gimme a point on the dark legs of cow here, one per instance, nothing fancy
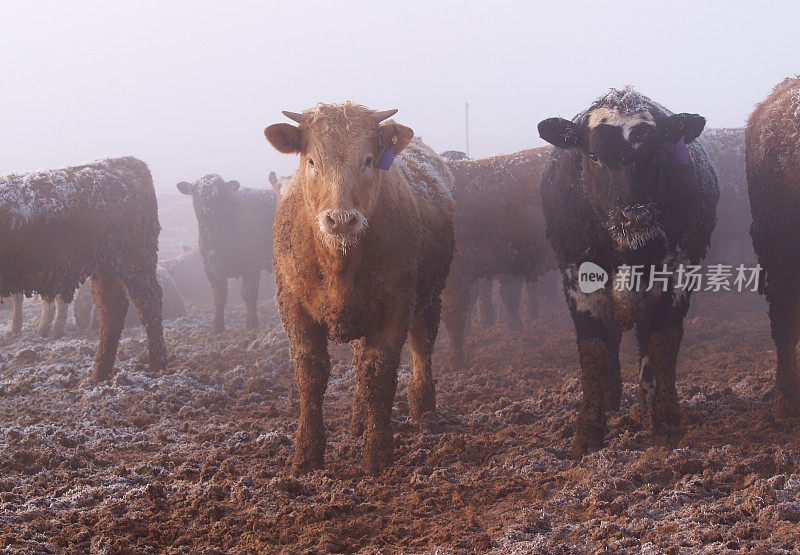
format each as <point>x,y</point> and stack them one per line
<point>421,340</point>
<point>659,344</point>
<point>111,304</point>
<point>511,295</point>
<point>456,304</point>
<point>16,317</point>
<point>250,298</point>
<point>783,296</point>
<point>598,351</point>
<point>146,294</point>
<point>219,291</point>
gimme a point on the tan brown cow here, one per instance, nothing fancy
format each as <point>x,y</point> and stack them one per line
<point>772,137</point>
<point>499,231</point>
<point>361,255</point>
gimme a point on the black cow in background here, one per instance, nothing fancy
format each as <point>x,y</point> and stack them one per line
<point>627,186</point>
<point>235,226</point>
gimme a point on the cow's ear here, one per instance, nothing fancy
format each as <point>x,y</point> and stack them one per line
<point>395,134</point>
<point>559,132</point>
<point>284,137</point>
<point>273,179</point>
<point>233,186</point>
<point>688,126</point>
<point>186,188</point>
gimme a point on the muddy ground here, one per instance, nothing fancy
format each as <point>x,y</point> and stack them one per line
<point>196,460</point>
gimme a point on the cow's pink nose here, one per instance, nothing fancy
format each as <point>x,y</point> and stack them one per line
<point>341,221</point>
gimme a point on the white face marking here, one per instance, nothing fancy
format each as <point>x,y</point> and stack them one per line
<point>624,121</point>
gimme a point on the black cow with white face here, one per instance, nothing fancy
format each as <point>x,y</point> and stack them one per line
<point>235,239</point>
<point>628,185</point>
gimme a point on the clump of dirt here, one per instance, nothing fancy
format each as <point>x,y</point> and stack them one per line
<point>196,459</point>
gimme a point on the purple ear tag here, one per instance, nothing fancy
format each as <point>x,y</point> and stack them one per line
<point>680,153</point>
<point>387,158</point>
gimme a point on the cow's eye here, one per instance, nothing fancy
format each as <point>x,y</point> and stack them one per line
<point>368,162</point>
<point>311,162</point>
<point>595,159</point>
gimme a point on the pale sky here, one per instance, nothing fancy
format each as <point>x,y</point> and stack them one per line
<point>188,86</point>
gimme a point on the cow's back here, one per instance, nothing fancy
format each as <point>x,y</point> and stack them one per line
<point>431,184</point>
<point>60,225</point>
<point>499,220</point>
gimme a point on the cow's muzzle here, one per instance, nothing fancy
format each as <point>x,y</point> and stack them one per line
<point>639,217</point>
<point>343,227</point>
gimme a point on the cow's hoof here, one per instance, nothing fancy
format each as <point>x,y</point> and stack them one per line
<point>667,438</point>
<point>378,451</point>
<point>375,463</point>
<point>303,464</point>
<point>102,374</point>
<point>787,405</point>
<point>583,445</point>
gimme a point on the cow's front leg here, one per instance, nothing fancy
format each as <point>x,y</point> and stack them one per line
<point>312,366</point>
<point>376,372</point>
<point>598,351</point>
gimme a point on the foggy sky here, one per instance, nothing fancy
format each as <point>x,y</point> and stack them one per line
<point>189,86</point>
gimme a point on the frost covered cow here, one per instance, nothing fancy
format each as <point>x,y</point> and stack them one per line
<point>98,220</point>
<point>627,186</point>
<point>500,231</point>
<point>772,137</point>
<point>235,239</point>
<point>363,244</point>
<point>730,243</point>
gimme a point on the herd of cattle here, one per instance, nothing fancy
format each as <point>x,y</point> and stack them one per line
<point>375,238</point>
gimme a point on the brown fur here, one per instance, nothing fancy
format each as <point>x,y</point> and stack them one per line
<point>374,291</point>
<point>99,220</point>
<point>499,230</point>
<point>772,140</point>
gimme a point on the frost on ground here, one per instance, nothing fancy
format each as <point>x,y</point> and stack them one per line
<point>197,458</point>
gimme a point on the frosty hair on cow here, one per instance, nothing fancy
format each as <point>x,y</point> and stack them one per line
<point>634,115</point>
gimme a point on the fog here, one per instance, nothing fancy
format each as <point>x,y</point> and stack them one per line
<point>189,86</point>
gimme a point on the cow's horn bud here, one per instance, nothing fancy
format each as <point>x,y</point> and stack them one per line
<point>294,116</point>
<point>380,116</point>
